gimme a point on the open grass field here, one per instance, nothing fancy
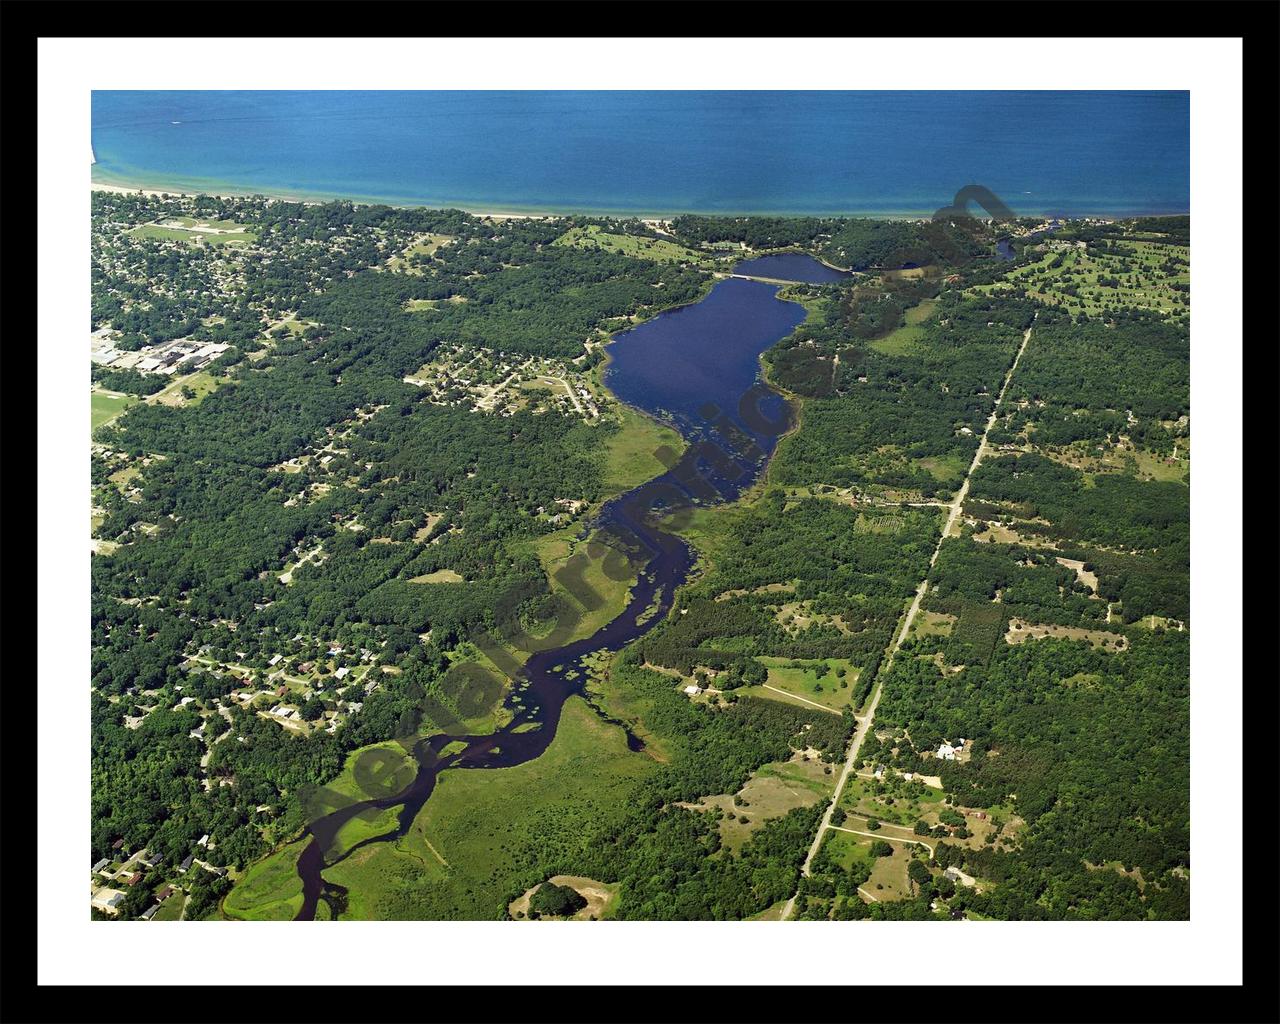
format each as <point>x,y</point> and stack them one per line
<point>269,890</point>
<point>772,791</point>
<point>439,576</point>
<point>902,804</point>
<point>905,339</point>
<point>476,843</point>
<point>629,454</point>
<point>202,383</point>
<point>363,826</point>
<point>209,224</point>
<point>123,477</point>
<point>799,677</point>
<point>425,245</point>
<point>240,236</point>
<point>657,249</point>
<point>561,552</point>
<point>171,909</point>
<point>104,406</point>
<point>396,769</point>
<point>944,467</point>
<point>932,624</point>
<point>901,342</point>
<point>1020,631</point>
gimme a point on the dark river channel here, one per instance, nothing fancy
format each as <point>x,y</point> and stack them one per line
<point>697,368</point>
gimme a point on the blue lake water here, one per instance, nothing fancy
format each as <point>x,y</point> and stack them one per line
<point>675,364</point>
<point>790,266</point>
<point>660,152</point>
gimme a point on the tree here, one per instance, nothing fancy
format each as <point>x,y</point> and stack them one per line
<point>879,848</point>
<point>556,900</point>
<point>873,824</point>
<point>918,872</point>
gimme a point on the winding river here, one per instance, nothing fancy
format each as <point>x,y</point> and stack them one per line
<point>697,368</point>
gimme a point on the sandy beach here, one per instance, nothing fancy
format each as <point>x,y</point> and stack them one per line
<point>100,186</point>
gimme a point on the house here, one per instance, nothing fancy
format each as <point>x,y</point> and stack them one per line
<point>100,865</point>
<point>341,673</point>
<point>107,900</point>
<point>186,864</point>
<point>164,893</point>
<point>134,878</point>
<point>203,840</point>
<point>879,772</point>
<point>149,859</point>
<point>150,912</point>
<point>981,815</point>
<point>908,776</point>
<point>954,874</point>
<point>692,690</point>
<point>118,844</point>
<point>306,666</point>
<point>946,752</point>
<point>275,660</point>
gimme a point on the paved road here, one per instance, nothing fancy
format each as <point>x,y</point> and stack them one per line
<point>864,723</point>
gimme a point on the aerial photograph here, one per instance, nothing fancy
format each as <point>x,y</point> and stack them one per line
<point>639,506</point>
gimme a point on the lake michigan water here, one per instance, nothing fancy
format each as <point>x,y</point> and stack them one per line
<point>1067,153</point>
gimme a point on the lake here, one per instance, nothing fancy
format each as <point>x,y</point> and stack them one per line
<point>1076,152</point>
<point>791,266</point>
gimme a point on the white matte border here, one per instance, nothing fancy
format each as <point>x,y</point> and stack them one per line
<point>73,950</point>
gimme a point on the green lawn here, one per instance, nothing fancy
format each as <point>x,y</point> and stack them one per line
<point>107,405</point>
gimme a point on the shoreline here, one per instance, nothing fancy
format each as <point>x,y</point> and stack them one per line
<point>516,212</point>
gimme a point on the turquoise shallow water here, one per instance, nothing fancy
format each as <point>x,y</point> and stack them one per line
<point>1069,153</point>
